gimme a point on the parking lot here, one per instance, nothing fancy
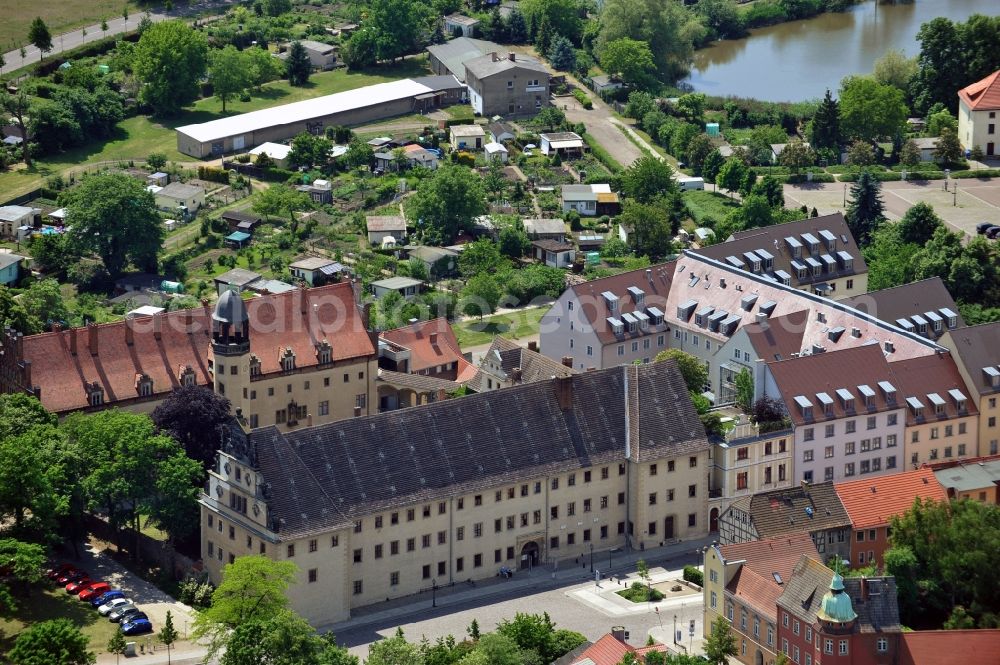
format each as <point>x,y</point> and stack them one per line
<point>975,200</point>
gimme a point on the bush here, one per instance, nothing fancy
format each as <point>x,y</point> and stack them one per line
<point>213,174</point>
<point>797,178</point>
<point>464,158</point>
<point>584,100</point>
<point>693,575</point>
<point>640,593</point>
<point>980,173</point>
<point>195,593</point>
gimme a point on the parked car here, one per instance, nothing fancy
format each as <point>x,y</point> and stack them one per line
<point>132,615</point>
<point>115,615</point>
<point>106,597</point>
<point>981,227</point>
<point>94,590</point>
<point>60,570</point>
<point>993,232</point>
<point>79,585</point>
<point>138,627</point>
<point>112,605</point>
<point>70,576</point>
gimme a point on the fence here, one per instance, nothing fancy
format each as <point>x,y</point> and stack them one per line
<point>150,549</point>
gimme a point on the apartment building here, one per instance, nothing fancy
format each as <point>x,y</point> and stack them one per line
<point>743,583</point>
<point>396,503</point>
<point>290,359</point>
<point>847,416</point>
<point>977,352</point>
<point>745,461</point>
<point>506,84</point>
<point>817,255</point>
<point>924,307</point>
<point>941,421</point>
<point>702,307</point>
<point>813,509</point>
<point>871,503</point>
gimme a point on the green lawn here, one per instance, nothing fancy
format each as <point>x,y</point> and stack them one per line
<point>139,136</point>
<point>515,325</point>
<point>703,203</point>
<point>55,603</point>
<point>640,592</point>
<point>61,17</point>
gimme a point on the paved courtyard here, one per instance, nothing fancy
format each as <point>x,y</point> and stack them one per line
<point>975,200</point>
<point>569,596</point>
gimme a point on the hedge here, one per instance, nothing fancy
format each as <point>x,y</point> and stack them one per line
<point>978,173</point>
<point>892,176</point>
<point>693,575</point>
<point>584,100</point>
<point>798,178</point>
<point>601,154</point>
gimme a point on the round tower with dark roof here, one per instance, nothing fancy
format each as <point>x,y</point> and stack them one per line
<point>231,348</point>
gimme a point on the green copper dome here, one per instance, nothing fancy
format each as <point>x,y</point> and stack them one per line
<point>836,605</point>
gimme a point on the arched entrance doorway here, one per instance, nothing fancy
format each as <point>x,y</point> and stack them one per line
<point>529,555</point>
<point>713,520</point>
<point>759,660</point>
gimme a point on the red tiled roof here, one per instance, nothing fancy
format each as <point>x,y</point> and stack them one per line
<point>423,353</point>
<point>606,651</point>
<point>776,555</point>
<point>872,501</point>
<point>983,95</point>
<point>950,647</point>
<point>163,345</point>
<point>756,591</point>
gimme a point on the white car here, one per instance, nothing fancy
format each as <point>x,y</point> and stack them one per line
<point>116,614</point>
<point>108,607</point>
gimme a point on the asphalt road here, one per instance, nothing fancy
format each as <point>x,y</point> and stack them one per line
<point>118,25</point>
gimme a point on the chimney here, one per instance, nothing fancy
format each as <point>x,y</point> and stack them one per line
<point>434,339</point>
<point>533,346</point>
<point>722,283</point>
<point>619,633</point>
<point>564,391</point>
<point>568,361</point>
<point>129,333</point>
<point>57,327</point>
<point>511,56</point>
<point>515,375</point>
<point>157,324</point>
<point>92,338</point>
<point>357,411</point>
<point>72,341</point>
<point>303,302</point>
<point>442,394</point>
<point>309,419</point>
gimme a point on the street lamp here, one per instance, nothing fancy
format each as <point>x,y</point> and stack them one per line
<point>675,629</point>
<point>592,557</point>
<point>434,588</point>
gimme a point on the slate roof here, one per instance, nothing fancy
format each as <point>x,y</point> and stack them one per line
<point>492,64</point>
<point>781,512</point>
<point>949,647</point>
<point>772,239</point>
<point>416,381</point>
<point>823,374</point>
<point>983,95</point>
<point>508,355</point>
<point>877,612</point>
<point>454,53</point>
<point>870,502</point>
<point>902,302</point>
<point>326,476</point>
<point>424,353</point>
<point>803,594</point>
<point>977,348</point>
<point>287,320</point>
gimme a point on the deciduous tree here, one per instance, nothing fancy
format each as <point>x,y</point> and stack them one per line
<point>631,60</point>
<point>949,149</point>
<point>691,368</point>
<point>114,216</point>
<point>731,175</point>
<point>168,634</point>
<point>647,180</point>
<point>229,73</point>
<point>18,108</point>
<point>54,642</point>
<point>919,224</point>
<point>870,111</point>
<point>481,295</point>
<point>170,59</point>
<point>447,202</point>
<point>650,232</point>
<point>895,69</point>
<point>39,35</point>
<point>721,643</point>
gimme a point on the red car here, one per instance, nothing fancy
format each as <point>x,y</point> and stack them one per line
<point>79,585</point>
<point>61,570</point>
<point>71,576</point>
<point>94,590</point>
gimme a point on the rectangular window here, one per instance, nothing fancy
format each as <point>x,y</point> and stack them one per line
<point>358,587</point>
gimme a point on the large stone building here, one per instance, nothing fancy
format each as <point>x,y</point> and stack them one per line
<point>393,504</point>
<point>288,360</point>
<point>978,105</point>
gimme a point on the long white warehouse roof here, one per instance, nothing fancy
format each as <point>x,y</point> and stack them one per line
<point>372,95</point>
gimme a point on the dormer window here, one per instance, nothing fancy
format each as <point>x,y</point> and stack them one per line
<point>254,365</point>
<point>95,394</point>
<point>611,300</point>
<point>287,359</point>
<point>916,407</point>
<point>324,352</point>
<point>143,385</point>
<point>938,403</point>
<point>186,376</point>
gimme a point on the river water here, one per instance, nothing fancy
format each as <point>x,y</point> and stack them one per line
<point>799,60</point>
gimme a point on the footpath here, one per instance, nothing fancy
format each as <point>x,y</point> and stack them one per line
<point>523,582</point>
